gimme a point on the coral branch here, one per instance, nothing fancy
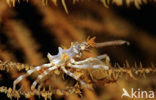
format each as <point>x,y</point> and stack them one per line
<point>8,66</point>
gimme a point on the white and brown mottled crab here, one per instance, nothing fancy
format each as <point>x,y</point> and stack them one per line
<point>66,58</point>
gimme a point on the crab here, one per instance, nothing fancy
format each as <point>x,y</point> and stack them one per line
<point>66,58</point>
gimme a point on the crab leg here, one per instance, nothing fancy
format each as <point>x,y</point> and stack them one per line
<point>87,60</point>
<point>29,72</point>
<point>104,56</point>
<point>89,66</point>
<point>91,59</point>
<point>72,75</point>
<point>46,72</point>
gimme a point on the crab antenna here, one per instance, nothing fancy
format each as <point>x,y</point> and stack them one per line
<point>111,43</point>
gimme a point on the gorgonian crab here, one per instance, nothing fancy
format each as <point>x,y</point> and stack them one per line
<point>68,58</point>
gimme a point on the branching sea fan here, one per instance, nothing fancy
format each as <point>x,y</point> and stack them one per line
<point>45,52</point>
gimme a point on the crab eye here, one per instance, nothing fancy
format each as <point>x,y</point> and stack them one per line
<point>83,47</point>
